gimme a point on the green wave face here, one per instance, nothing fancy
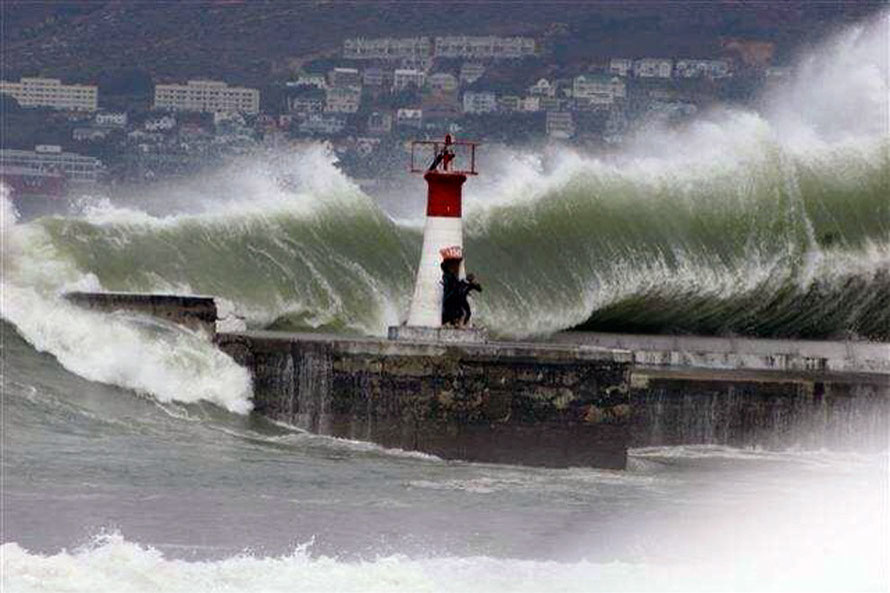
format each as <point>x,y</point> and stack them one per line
<point>777,245</point>
<point>774,245</point>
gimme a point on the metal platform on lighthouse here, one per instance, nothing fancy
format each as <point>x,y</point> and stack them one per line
<point>445,166</point>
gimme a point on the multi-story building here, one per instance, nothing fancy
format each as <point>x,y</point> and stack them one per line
<point>480,102</point>
<point>484,47</point>
<point>653,68</point>
<point>621,66</point>
<point>76,168</point>
<point>111,119</point>
<point>560,124</point>
<point>591,90</point>
<point>405,77</point>
<point>207,96</point>
<point>50,92</point>
<point>343,77</point>
<point>412,118</point>
<point>702,68</point>
<point>343,99</point>
<point>388,48</point>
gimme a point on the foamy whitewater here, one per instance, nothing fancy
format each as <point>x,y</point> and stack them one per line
<point>130,463</point>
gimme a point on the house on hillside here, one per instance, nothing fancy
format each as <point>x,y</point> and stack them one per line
<point>597,90</point>
<point>560,124</point>
<point>442,82</point>
<point>621,66</point>
<point>479,102</point>
<point>412,118</point>
<point>653,68</point>
<point>542,88</point>
<point>470,72</point>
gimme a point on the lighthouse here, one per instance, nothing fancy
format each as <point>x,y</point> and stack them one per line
<point>445,166</point>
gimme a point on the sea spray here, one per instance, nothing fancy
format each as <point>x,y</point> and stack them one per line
<point>167,362</point>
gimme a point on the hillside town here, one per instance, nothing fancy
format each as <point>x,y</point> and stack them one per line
<point>377,94</point>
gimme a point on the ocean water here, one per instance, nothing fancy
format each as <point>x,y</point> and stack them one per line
<point>130,461</point>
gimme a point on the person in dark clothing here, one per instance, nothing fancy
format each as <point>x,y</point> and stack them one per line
<point>466,287</point>
<point>452,311</point>
<point>455,306</point>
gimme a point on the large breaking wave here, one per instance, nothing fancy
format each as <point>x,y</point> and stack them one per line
<point>774,222</point>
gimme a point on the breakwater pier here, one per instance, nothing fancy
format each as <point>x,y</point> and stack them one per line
<point>574,399</point>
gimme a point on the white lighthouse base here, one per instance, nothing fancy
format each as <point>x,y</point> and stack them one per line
<point>448,335</point>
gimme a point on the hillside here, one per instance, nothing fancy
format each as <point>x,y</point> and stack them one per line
<point>255,42</point>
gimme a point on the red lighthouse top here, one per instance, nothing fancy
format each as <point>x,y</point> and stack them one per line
<point>445,166</point>
<point>456,157</point>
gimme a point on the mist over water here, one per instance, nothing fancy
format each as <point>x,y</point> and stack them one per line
<point>766,222</point>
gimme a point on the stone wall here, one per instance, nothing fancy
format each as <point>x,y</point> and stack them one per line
<point>769,412</point>
<point>503,403</point>
<point>194,312</point>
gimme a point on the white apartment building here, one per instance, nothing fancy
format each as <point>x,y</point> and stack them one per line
<point>653,68</point>
<point>111,119</point>
<point>409,117</point>
<point>206,95</point>
<point>387,48</point>
<point>50,92</point>
<point>489,46</point>
<point>51,159</point>
<point>345,77</point>
<point>700,68</point>
<point>597,90</point>
<point>480,102</point>
<point>404,77</point>
<point>316,80</point>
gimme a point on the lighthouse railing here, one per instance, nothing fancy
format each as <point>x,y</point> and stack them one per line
<point>424,151</point>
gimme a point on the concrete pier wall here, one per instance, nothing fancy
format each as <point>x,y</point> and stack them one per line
<point>754,392</point>
<point>764,413</point>
<point>577,399</point>
<point>197,313</point>
<point>508,403</point>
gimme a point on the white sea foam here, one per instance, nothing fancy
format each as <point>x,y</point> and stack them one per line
<point>171,364</point>
<point>112,563</point>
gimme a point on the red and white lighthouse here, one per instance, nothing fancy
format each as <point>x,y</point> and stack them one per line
<point>449,167</point>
